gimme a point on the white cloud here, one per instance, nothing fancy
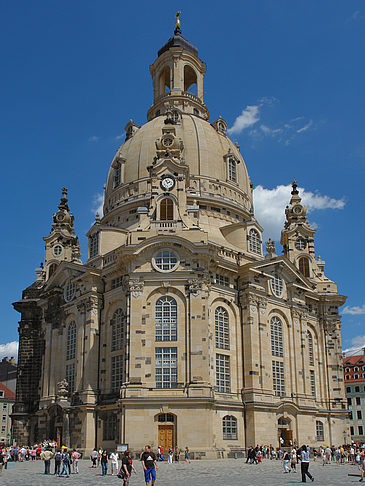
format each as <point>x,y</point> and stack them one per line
<point>270,206</point>
<point>97,204</point>
<point>248,117</point>
<point>358,342</point>
<point>94,138</point>
<point>355,310</point>
<point>9,350</point>
<point>119,137</point>
<point>306,126</point>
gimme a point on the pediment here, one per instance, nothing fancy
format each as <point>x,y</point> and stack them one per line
<point>65,271</point>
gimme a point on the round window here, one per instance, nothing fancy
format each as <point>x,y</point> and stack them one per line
<point>300,244</point>
<point>277,286</point>
<point>297,209</point>
<point>57,250</point>
<point>167,141</point>
<point>165,261</point>
<point>70,291</point>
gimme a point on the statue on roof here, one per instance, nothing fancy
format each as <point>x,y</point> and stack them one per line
<point>177,23</point>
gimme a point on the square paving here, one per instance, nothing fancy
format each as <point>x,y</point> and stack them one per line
<point>229,472</point>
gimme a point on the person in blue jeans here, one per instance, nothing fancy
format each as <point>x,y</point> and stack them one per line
<point>149,464</point>
<point>104,462</point>
<point>65,463</point>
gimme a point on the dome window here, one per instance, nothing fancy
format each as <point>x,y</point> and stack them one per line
<point>304,266</point>
<point>254,241</point>
<point>232,170</point>
<point>166,209</point>
<point>116,175</point>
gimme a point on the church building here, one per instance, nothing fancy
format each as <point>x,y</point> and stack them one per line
<point>178,330</point>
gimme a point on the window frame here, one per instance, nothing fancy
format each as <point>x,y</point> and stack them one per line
<point>254,241</point>
<point>221,328</point>
<point>229,427</point>
<point>166,367</point>
<point>71,344</point>
<point>166,320</point>
<point>223,373</point>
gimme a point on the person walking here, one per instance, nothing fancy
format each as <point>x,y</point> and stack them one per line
<point>304,464</point>
<point>362,469</point>
<point>127,467</point>
<point>46,456</point>
<point>114,462</point>
<point>104,462</point>
<point>94,457</point>
<point>286,460</point>
<point>65,463</point>
<point>149,464</point>
<point>177,454</point>
<point>293,460</point>
<point>187,458</point>
<point>75,461</point>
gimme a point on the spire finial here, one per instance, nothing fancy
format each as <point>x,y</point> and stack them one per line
<point>177,23</point>
<point>64,200</point>
<point>294,185</point>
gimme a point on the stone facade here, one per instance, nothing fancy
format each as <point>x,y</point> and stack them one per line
<point>177,330</point>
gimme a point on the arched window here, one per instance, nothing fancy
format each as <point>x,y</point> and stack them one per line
<point>255,242</point>
<point>164,80</point>
<point>166,319</point>
<point>221,328</point>
<point>52,269</point>
<point>190,78</point>
<point>71,340</point>
<point>276,337</point>
<point>232,170</point>
<point>310,349</point>
<point>117,323</point>
<point>304,266</point>
<point>229,427</point>
<point>319,430</point>
<point>166,209</point>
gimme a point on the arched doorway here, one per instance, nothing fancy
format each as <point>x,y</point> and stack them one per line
<point>285,433</point>
<point>166,431</point>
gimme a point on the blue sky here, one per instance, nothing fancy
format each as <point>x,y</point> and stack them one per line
<point>288,77</point>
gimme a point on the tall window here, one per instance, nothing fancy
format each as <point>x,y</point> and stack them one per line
<point>223,372</point>
<point>319,430</point>
<point>254,241</point>
<point>232,170</point>
<point>313,382</point>
<point>117,323</point>
<point>166,209</point>
<point>70,377</point>
<point>278,378</point>
<point>276,337</point>
<point>221,328</point>
<point>166,319</point>
<point>229,427</point>
<point>304,266</point>
<point>166,367</point>
<point>93,245</point>
<point>110,427</point>
<point>310,349</point>
<point>71,340</point>
<point>117,372</point>
<point>116,175</point>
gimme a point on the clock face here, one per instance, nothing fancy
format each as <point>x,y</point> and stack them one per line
<point>167,183</point>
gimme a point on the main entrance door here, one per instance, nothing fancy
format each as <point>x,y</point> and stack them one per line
<point>166,437</point>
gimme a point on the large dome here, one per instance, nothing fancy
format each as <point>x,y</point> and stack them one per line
<point>205,151</point>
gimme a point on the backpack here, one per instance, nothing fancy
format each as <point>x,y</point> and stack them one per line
<point>58,457</point>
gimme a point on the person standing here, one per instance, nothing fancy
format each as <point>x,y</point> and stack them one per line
<point>293,460</point>
<point>149,464</point>
<point>104,462</point>
<point>114,462</point>
<point>304,464</point>
<point>94,457</point>
<point>177,454</point>
<point>171,453</point>
<point>46,456</point>
<point>57,462</point>
<point>75,461</point>
<point>127,466</point>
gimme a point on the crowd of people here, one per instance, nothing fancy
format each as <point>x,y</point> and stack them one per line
<point>66,461</point>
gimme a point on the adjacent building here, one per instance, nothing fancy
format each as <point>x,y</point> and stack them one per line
<point>178,330</point>
<point>8,372</point>
<point>354,372</point>
<point>7,399</point>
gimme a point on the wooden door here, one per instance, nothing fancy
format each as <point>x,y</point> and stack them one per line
<point>288,438</point>
<point>166,437</point>
<point>59,436</point>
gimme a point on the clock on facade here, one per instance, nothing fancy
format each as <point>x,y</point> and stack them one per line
<point>167,183</point>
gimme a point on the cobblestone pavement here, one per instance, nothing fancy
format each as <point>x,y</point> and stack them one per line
<point>228,472</point>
